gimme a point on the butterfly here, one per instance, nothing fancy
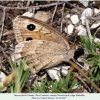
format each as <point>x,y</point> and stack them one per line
<point>45,48</point>
<point>41,44</point>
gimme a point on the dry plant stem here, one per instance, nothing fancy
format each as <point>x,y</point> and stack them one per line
<point>8,33</point>
<point>3,19</point>
<point>33,11</point>
<point>79,69</point>
<point>28,3</point>
<point>54,12</point>
<point>62,17</point>
<point>2,68</point>
<point>5,55</point>
<point>80,65</point>
<point>88,30</point>
<point>74,6</point>
<point>79,78</point>
<point>39,6</point>
<point>93,18</point>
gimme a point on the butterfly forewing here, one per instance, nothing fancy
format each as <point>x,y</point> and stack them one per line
<point>26,28</point>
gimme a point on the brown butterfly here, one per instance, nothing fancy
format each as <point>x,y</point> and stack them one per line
<point>46,48</point>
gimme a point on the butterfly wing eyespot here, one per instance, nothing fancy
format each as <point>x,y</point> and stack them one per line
<point>28,39</point>
<point>31,27</point>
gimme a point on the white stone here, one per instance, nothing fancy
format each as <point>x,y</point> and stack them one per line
<point>83,20</point>
<point>74,19</point>
<point>95,25</point>
<point>65,67</point>
<point>70,29</point>
<point>86,66</point>
<point>28,14</point>
<point>86,12</point>
<point>2,77</point>
<point>75,86</point>
<point>68,16</point>
<point>79,27</point>
<point>97,40</point>
<point>84,2</point>
<point>54,74</point>
<point>82,32</point>
<point>57,68</point>
<point>43,16</point>
<point>64,70</point>
<point>85,91</point>
<point>96,11</point>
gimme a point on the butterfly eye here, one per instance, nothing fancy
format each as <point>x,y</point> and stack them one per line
<point>31,27</point>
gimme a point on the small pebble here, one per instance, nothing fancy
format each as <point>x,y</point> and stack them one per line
<point>68,16</point>
<point>75,86</point>
<point>70,29</point>
<point>84,2</point>
<point>82,32</point>
<point>74,19</point>
<point>83,20</point>
<point>64,70</point>
<point>96,11</point>
<point>79,27</point>
<point>86,12</point>
<point>85,91</point>
<point>53,74</point>
<point>43,16</point>
<point>95,25</point>
<point>28,14</point>
<point>97,40</point>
